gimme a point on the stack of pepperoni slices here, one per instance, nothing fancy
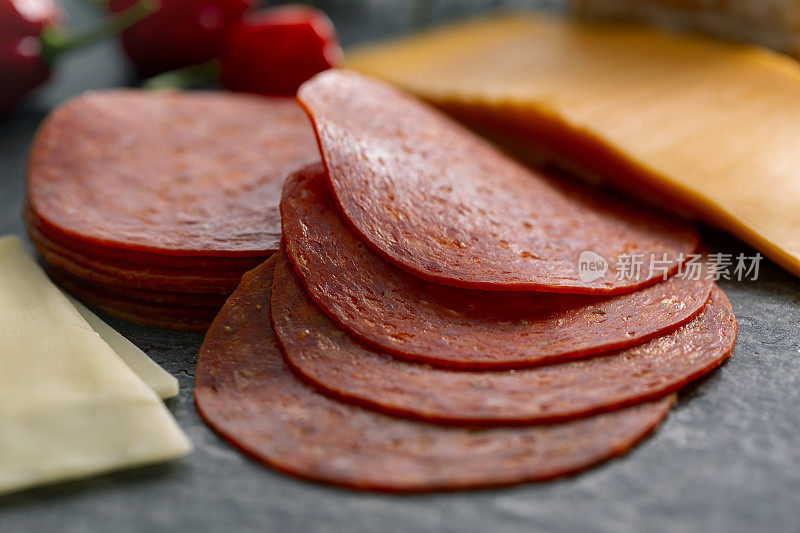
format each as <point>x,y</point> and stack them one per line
<point>151,205</point>
<point>425,325</point>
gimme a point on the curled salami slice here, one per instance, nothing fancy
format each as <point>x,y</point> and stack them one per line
<point>323,354</point>
<point>245,391</point>
<point>446,206</point>
<point>422,321</point>
<point>186,173</point>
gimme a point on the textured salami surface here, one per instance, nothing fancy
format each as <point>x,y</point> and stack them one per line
<point>447,206</point>
<point>134,276</point>
<point>167,315</point>
<point>316,348</point>
<point>245,391</point>
<point>176,300</point>
<point>168,172</point>
<point>119,256</point>
<point>414,319</point>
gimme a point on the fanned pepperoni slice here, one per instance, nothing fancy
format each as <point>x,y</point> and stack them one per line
<point>445,205</point>
<point>143,175</point>
<point>323,354</point>
<point>417,320</point>
<point>245,391</point>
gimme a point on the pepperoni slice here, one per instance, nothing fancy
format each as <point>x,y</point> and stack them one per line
<point>111,256</point>
<point>421,321</point>
<point>445,205</point>
<point>134,276</point>
<point>245,391</point>
<point>175,300</point>
<point>317,349</point>
<point>167,173</point>
<point>168,315</point>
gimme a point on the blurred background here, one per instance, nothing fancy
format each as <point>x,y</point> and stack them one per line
<point>104,64</point>
<point>356,21</point>
<point>364,20</point>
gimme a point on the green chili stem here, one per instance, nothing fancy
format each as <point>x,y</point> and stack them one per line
<point>56,41</point>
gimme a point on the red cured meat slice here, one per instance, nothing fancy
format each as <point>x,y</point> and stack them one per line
<point>133,276</point>
<point>245,391</point>
<point>323,354</point>
<point>175,300</point>
<point>168,316</point>
<point>156,320</point>
<point>446,206</point>
<point>414,319</point>
<point>168,173</point>
<point>112,256</point>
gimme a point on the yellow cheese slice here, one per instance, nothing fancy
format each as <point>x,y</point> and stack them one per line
<point>162,382</point>
<point>710,127</point>
<point>69,407</point>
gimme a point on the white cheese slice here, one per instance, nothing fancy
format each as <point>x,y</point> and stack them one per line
<point>158,379</point>
<point>69,406</point>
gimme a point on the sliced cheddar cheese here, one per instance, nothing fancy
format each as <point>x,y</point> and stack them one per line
<point>162,382</point>
<point>69,407</point>
<point>709,127</point>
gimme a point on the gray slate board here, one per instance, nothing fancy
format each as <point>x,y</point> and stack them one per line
<point>727,459</point>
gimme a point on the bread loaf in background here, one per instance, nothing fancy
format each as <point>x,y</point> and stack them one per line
<point>771,23</point>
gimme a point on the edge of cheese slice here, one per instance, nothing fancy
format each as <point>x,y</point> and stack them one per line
<point>158,379</point>
<point>69,406</point>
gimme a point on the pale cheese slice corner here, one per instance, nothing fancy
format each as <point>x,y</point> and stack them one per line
<point>158,379</point>
<point>69,406</point>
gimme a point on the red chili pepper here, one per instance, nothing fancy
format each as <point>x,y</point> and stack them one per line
<point>21,62</point>
<point>181,33</point>
<point>274,51</point>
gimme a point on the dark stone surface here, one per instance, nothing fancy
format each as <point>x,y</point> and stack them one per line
<point>727,459</point>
